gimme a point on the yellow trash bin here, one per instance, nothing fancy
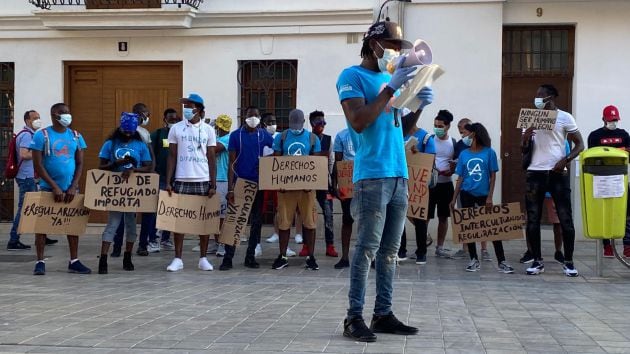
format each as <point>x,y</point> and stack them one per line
<point>604,192</point>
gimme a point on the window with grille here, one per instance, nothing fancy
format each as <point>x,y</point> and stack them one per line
<point>529,51</point>
<point>6,131</point>
<point>270,85</point>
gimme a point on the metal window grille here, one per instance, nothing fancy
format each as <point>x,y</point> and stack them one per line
<point>538,51</point>
<point>270,85</point>
<point>48,4</point>
<point>6,131</point>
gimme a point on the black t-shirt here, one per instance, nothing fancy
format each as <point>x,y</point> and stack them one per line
<point>617,138</point>
<point>458,148</point>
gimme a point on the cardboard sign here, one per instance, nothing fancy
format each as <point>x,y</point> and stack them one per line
<point>540,119</point>
<point>106,190</point>
<point>419,166</point>
<point>188,214</point>
<point>42,215</point>
<point>502,222</point>
<point>344,178</point>
<point>235,223</point>
<point>294,173</point>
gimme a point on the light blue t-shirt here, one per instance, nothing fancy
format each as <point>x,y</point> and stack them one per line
<point>223,159</point>
<point>380,150</point>
<point>475,169</point>
<point>118,150</point>
<point>23,141</point>
<point>58,155</point>
<point>296,145</point>
<point>343,144</point>
<point>420,134</point>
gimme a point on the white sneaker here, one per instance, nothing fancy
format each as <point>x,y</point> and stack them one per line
<point>291,253</point>
<point>298,239</point>
<point>273,238</point>
<point>176,265</point>
<point>258,251</point>
<point>153,247</point>
<point>569,270</point>
<point>204,264</point>
<point>244,238</point>
<point>221,250</point>
<point>473,266</point>
<point>196,248</point>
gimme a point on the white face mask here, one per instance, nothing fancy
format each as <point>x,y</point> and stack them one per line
<point>271,129</point>
<point>145,121</point>
<point>170,125</point>
<point>65,119</point>
<point>539,102</point>
<point>188,113</point>
<point>252,122</point>
<point>36,124</point>
<point>297,131</point>
<point>388,56</point>
<point>611,125</point>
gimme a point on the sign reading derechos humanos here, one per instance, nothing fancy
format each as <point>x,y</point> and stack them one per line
<point>293,173</point>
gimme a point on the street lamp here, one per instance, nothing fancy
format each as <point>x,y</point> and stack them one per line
<point>378,18</point>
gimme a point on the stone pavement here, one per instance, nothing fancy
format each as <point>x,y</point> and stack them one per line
<point>295,310</point>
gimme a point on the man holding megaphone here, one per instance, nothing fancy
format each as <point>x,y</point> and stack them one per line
<point>380,172</point>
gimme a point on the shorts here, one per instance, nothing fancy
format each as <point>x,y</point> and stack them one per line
<point>552,214</point>
<point>191,188</point>
<point>346,212</point>
<point>441,196</point>
<point>303,201</point>
<point>222,188</point>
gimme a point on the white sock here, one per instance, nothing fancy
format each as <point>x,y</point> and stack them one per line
<point>73,260</point>
<point>40,261</point>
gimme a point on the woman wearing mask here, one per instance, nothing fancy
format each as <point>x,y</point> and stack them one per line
<point>124,151</point>
<point>477,168</point>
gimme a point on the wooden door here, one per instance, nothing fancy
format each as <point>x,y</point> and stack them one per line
<point>98,92</point>
<point>532,56</point>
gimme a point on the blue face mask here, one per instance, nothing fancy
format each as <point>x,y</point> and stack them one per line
<point>188,113</point>
<point>439,132</point>
<point>467,140</point>
<point>297,131</point>
<point>65,119</point>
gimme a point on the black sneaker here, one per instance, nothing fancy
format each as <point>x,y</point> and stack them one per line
<point>250,262</point>
<point>17,246</point>
<point>402,256</point>
<point>127,264</point>
<point>421,259</point>
<point>311,263</point>
<point>116,252</point>
<point>569,270</point>
<point>536,268</point>
<point>102,264</point>
<point>390,324</point>
<point>50,241</point>
<point>280,262</point>
<point>40,268</point>
<point>78,267</point>
<point>357,330</point>
<point>559,257</point>
<point>142,251</point>
<point>528,257</point>
<point>226,264</point>
<point>343,263</point>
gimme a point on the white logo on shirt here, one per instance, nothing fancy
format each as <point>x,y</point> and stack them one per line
<point>474,169</point>
<point>344,88</point>
<point>295,149</point>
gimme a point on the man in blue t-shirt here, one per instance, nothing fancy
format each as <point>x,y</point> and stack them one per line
<point>344,151</point>
<point>245,147</point>
<point>380,173</point>
<point>58,160</point>
<point>296,142</point>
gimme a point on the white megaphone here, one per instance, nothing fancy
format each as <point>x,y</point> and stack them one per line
<point>420,54</point>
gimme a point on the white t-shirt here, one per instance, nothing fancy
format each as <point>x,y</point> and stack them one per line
<point>144,134</point>
<point>192,144</point>
<point>444,152</point>
<point>549,145</point>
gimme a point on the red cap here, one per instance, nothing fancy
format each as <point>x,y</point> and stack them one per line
<point>611,113</point>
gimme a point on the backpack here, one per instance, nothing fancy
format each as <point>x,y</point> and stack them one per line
<point>48,145</point>
<point>283,137</point>
<point>13,166</point>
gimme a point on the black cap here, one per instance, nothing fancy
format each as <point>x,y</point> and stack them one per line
<point>387,31</point>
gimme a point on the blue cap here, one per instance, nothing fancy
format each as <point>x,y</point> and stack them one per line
<point>193,97</point>
<point>128,122</point>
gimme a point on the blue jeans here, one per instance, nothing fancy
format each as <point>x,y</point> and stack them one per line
<point>379,208</point>
<point>25,185</point>
<point>327,209</point>
<point>115,219</point>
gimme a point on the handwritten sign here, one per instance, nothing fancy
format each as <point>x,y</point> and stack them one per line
<point>188,214</point>
<point>502,222</point>
<point>541,119</point>
<point>235,222</point>
<point>107,190</point>
<point>344,178</point>
<point>294,172</point>
<point>419,166</point>
<point>42,215</point>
